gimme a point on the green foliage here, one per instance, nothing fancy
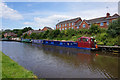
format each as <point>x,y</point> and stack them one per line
<point>94,29</point>
<point>2,36</point>
<point>25,36</point>
<point>19,33</point>
<point>114,28</point>
<point>26,29</point>
<point>33,36</point>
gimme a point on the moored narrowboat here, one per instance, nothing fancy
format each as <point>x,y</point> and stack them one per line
<point>26,40</point>
<point>81,43</point>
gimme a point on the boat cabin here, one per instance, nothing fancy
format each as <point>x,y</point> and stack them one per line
<point>86,42</point>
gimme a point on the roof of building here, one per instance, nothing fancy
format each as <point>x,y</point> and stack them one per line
<point>69,21</point>
<point>36,31</point>
<point>47,28</point>
<point>102,19</point>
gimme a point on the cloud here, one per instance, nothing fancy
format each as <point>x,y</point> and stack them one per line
<point>9,13</point>
<point>49,21</point>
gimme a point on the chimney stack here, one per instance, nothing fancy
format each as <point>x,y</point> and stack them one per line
<point>108,15</point>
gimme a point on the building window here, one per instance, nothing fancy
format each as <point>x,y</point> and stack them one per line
<point>72,23</point>
<point>72,28</point>
<point>101,24</point>
<point>107,22</point>
<point>77,27</point>
<point>60,25</point>
<point>83,25</point>
<point>57,26</point>
<point>62,28</point>
<point>65,24</point>
<point>69,24</point>
<point>65,28</point>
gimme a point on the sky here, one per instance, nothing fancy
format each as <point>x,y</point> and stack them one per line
<point>17,15</point>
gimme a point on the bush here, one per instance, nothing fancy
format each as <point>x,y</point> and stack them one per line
<point>114,28</point>
<point>94,29</point>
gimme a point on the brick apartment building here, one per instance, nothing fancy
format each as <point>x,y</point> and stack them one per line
<point>78,23</point>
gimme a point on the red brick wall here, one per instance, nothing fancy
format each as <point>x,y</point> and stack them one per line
<point>67,25</point>
<point>86,25</point>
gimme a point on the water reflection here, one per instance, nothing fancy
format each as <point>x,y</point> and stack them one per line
<point>59,62</point>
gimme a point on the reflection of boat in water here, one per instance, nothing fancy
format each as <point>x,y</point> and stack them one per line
<point>95,61</point>
<point>86,43</point>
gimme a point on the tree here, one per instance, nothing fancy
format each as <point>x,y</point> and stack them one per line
<point>26,29</point>
<point>114,28</point>
<point>33,36</point>
<point>19,33</point>
<point>25,36</point>
<point>94,29</point>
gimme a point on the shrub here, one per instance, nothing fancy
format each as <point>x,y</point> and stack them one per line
<point>94,29</point>
<point>114,28</point>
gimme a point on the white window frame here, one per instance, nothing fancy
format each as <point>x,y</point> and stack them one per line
<point>84,25</point>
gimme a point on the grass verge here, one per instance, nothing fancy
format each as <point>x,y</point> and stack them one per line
<point>11,69</point>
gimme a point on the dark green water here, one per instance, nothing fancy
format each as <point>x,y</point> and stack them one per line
<point>58,62</point>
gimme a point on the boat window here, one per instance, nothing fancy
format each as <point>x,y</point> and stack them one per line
<point>79,40</point>
<point>92,40</point>
<point>61,43</point>
<point>85,39</point>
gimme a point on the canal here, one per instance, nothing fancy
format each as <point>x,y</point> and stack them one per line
<point>58,62</point>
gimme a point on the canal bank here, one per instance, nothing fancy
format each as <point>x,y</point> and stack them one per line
<point>11,69</point>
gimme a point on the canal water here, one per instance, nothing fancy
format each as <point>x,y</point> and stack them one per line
<point>58,62</point>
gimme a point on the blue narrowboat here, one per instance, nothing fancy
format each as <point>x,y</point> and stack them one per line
<point>81,43</point>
